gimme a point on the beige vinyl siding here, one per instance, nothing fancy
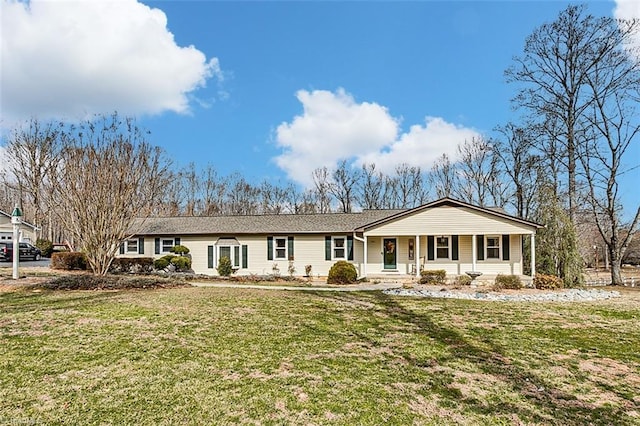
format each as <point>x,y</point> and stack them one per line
<point>446,220</point>
<point>308,250</point>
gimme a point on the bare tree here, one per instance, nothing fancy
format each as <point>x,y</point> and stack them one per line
<point>371,185</point>
<point>614,120</point>
<point>33,155</point>
<point>559,59</point>
<point>411,191</point>
<point>443,176</point>
<point>515,151</point>
<point>108,176</point>
<point>321,181</point>
<point>343,186</point>
<point>478,176</point>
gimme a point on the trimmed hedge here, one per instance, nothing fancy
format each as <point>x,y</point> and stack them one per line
<point>342,272</point>
<point>547,282</point>
<point>107,282</point>
<point>510,282</point>
<point>133,265</point>
<point>179,263</point>
<point>434,276</point>
<point>68,261</point>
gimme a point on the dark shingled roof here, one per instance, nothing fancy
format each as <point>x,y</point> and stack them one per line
<point>262,224</point>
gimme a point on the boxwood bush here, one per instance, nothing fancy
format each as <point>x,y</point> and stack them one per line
<point>342,272</point>
<point>547,282</point>
<point>133,265</point>
<point>511,282</point>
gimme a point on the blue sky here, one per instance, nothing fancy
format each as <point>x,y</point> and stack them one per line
<point>274,89</point>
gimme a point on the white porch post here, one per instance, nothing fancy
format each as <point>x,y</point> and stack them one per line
<point>474,252</point>
<point>533,255</point>
<point>364,263</point>
<point>417,254</point>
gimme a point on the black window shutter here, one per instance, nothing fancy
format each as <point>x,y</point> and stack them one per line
<point>454,247</point>
<point>269,248</point>
<point>236,256</point>
<point>480,246</point>
<point>290,247</point>
<point>350,247</point>
<point>157,246</point>
<point>141,245</point>
<point>430,248</point>
<point>122,247</point>
<point>506,250</point>
<point>245,256</point>
<point>210,256</point>
<point>327,247</point>
<point>177,241</point>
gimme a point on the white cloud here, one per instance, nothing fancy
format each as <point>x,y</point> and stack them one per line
<point>334,127</point>
<point>75,58</point>
<point>628,10</point>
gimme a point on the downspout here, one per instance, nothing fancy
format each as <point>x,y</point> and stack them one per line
<point>363,272</point>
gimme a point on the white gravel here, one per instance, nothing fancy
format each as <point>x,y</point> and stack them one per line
<point>572,295</point>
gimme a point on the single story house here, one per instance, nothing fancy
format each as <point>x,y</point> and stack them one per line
<point>444,234</point>
<point>27,230</point>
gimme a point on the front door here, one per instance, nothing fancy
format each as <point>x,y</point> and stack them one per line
<point>389,253</point>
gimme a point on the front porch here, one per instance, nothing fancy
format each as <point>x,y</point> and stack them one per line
<point>403,257</point>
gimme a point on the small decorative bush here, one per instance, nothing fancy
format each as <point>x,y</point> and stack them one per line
<point>291,269</point>
<point>511,282</point>
<point>179,250</point>
<point>45,246</point>
<point>173,263</point>
<point>224,266</point>
<point>307,270</point>
<point>69,261</point>
<point>342,272</point>
<point>133,265</point>
<point>547,282</point>
<point>434,276</point>
<point>461,280</point>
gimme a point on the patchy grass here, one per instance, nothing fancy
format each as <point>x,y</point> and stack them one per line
<point>241,356</point>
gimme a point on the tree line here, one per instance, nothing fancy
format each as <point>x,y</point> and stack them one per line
<point>577,84</point>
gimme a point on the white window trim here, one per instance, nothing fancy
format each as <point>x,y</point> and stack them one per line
<point>275,248</point>
<point>162,240</point>
<point>217,256</point>
<point>486,247</point>
<point>128,246</point>
<point>344,247</point>
<point>435,243</point>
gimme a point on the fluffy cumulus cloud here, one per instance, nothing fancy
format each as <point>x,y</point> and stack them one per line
<point>628,9</point>
<point>75,58</point>
<point>334,127</point>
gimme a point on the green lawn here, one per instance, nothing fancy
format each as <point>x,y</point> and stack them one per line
<point>240,356</point>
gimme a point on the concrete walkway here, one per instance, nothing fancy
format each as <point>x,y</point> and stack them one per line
<point>355,287</point>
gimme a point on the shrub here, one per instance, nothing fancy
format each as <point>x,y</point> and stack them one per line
<point>182,263</point>
<point>133,265</point>
<point>163,262</point>
<point>179,250</point>
<point>224,266</point>
<point>435,276</point>
<point>342,272</point>
<point>511,282</point>
<point>110,282</point>
<point>69,261</point>
<point>307,270</point>
<point>462,280</point>
<point>45,246</point>
<point>547,282</point>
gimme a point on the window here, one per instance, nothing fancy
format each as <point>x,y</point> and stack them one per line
<point>411,249</point>
<point>339,247</point>
<point>167,244</point>
<point>280,247</point>
<point>228,247</point>
<point>442,247</point>
<point>131,246</point>
<point>493,247</point>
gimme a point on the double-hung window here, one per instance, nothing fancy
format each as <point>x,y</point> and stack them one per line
<point>339,247</point>
<point>442,247</point>
<point>280,248</point>
<point>131,246</point>
<point>493,247</point>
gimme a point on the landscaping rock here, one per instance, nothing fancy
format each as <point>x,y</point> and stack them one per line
<point>572,295</point>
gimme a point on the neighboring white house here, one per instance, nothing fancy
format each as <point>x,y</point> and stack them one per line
<point>445,234</point>
<point>27,230</point>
